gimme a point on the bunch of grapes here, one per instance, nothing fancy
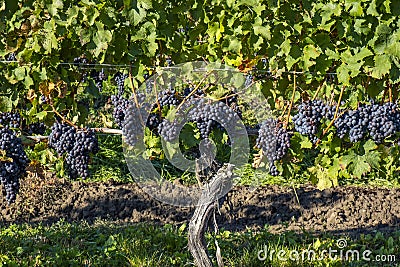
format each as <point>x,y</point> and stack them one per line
<point>168,130</point>
<point>62,137</point>
<point>377,121</point>
<point>133,127</point>
<point>274,140</point>
<point>77,145</point>
<point>10,119</point>
<point>82,61</point>
<point>353,123</point>
<point>168,98</point>
<point>385,121</point>
<point>207,115</point>
<point>79,156</point>
<point>189,92</point>
<point>35,128</point>
<point>98,78</point>
<point>11,57</point>
<point>13,162</point>
<point>308,119</point>
<point>120,104</point>
<point>119,79</point>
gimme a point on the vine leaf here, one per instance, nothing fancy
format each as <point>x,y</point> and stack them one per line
<point>361,167</point>
<point>306,143</point>
<point>382,66</point>
<point>323,176</point>
<point>361,164</point>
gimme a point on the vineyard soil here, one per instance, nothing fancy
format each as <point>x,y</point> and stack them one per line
<point>337,210</point>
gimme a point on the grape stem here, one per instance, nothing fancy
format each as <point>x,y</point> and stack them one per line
<point>284,111</point>
<point>194,91</point>
<point>226,97</point>
<point>335,116</point>
<point>64,119</point>
<point>134,93</point>
<point>318,89</point>
<point>291,101</point>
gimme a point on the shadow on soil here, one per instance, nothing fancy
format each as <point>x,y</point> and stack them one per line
<point>343,210</point>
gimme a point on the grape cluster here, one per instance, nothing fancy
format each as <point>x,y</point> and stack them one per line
<point>354,123</point>
<point>133,127</point>
<point>78,158</point>
<point>10,119</point>
<point>210,115</point>
<point>119,79</point>
<point>98,78</point>
<point>207,115</point>
<point>11,57</point>
<point>120,104</point>
<point>77,145</point>
<point>62,137</point>
<point>189,91</point>
<point>129,117</point>
<point>274,140</point>
<point>44,99</point>
<point>80,60</point>
<point>35,128</point>
<point>377,121</point>
<point>385,121</point>
<point>168,130</point>
<point>308,119</point>
<point>249,80</point>
<point>167,98</point>
<point>153,121</point>
<point>13,162</point>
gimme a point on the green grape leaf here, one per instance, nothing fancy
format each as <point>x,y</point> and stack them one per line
<point>20,73</point>
<point>343,74</point>
<point>188,136</point>
<point>382,66</point>
<point>41,115</point>
<point>54,7</point>
<point>369,146</point>
<point>305,143</point>
<point>360,167</point>
<point>372,9</point>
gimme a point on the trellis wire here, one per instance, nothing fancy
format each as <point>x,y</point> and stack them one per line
<point>115,66</point>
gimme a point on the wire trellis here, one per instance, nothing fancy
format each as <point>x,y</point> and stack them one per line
<point>119,66</point>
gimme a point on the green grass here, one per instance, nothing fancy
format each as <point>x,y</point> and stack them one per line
<point>110,244</point>
<point>109,163</point>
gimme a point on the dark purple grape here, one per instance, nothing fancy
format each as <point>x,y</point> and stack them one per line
<point>14,165</point>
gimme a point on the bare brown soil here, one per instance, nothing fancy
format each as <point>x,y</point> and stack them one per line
<point>337,210</point>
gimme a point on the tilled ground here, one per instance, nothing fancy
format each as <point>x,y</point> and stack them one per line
<point>338,210</point>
